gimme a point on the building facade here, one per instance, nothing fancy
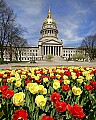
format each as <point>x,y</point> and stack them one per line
<point>47,44</point>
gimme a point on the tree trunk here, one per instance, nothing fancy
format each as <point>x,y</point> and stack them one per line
<point>10,52</point>
<point>2,53</point>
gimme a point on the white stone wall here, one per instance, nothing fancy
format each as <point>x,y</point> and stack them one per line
<point>70,51</point>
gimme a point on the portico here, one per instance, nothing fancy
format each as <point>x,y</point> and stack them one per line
<point>52,49</point>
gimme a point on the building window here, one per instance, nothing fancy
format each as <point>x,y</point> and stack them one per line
<point>33,50</point>
<point>22,58</point>
<point>36,50</point>
<point>66,54</point>
<point>30,50</point>
<point>36,54</point>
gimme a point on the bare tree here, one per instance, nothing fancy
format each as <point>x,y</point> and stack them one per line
<point>18,43</point>
<point>14,37</point>
<point>9,29</point>
<point>2,5</point>
<point>89,45</point>
<point>6,19</point>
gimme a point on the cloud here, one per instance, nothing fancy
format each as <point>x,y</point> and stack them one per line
<point>68,30</point>
<point>29,14</point>
<point>76,25</point>
<point>30,7</point>
<point>74,22</point>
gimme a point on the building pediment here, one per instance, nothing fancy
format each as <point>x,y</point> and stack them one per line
<point>52,41</point>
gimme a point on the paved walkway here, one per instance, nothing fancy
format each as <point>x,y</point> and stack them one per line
<point>45,63</point>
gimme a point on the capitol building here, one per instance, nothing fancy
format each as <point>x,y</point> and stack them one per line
<point>47,44</point>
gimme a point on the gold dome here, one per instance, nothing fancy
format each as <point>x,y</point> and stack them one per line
<point>49,19</point>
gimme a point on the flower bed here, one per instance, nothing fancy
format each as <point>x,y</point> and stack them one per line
<point>54,93</point>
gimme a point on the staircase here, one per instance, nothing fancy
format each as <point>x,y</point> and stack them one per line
<point>57,59</point>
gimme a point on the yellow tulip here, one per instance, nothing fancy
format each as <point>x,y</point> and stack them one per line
<point>81,77</point>
<point>40,101</point>
<point>58,76</point>
<point>45,80</point>
<point>18,83</point>
<point>0,79</point>
<point>66,82</point>
<point>36,77</point>
<point>11,79</point>
<point>89,77</point>
<point>79,80</point>
<point>18,98</point>
<point>44,91</point>
<point>56,85</point>
<point>65,77</point>
<point>76,90</point>
<point>41,87</point>
<point>23,76</point>
<point>34,88</point>
<point>5,76</point>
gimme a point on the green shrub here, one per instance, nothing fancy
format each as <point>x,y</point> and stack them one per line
<point>49,57</point>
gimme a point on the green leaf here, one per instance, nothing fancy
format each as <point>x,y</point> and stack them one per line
<point>1,114</point>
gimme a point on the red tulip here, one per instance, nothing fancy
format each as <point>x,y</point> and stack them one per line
<point>65,88</point>
<point>54,97</point>
<point>76,111</point>
<point>4,80</point>
<point>88,87</point>
<point>8,94</point>
<point>93,83</point>
<point>3,88</point>
<point>1,75</point>
<point>27,81</point>
<point>46,118</point>
<point>60,106</point>
<point>20,114</point>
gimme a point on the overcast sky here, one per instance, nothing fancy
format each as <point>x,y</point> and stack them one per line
<point>75,19</point>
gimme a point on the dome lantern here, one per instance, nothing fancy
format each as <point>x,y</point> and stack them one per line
<point>49,19</point>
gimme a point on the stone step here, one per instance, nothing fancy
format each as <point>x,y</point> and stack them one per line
<point>57,58</point>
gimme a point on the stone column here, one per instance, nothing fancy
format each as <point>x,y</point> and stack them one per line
<point>58,50</point>
<point>50,49</point>
<point>42,50</point>
<point>45,50</point>
<point>39,52</point>
<point>61,51</point>
<point>53,50</point>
